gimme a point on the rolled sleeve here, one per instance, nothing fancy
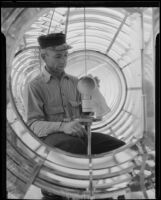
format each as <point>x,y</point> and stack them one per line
<point>44,128</point>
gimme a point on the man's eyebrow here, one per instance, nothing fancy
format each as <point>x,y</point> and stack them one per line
<point>51,48</point>
<point>59,54</point>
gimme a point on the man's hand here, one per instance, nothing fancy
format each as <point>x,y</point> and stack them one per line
<point>73,128</point>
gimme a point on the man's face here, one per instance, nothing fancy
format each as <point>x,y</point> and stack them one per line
<point>55,60</point>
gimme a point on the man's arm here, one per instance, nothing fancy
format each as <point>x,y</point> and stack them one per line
<point>36,117</point>
<point>34,113</point>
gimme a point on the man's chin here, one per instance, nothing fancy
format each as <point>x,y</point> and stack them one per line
<point>60,69</point>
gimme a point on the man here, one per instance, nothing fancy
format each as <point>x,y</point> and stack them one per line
<point>53,97</point>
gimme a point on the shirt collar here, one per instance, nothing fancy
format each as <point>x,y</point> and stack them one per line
<point>47,76</point>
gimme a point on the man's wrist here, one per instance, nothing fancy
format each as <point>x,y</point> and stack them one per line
<point>61,127</point>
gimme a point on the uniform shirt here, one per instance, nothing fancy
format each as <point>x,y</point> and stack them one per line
<point>48,101</point>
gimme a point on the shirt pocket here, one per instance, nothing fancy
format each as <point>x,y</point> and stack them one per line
<point>74,103</point>
<point>75,108</point>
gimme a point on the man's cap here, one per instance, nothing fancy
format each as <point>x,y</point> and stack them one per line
<point>56,40</point>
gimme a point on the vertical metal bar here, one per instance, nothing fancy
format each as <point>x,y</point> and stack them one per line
<point>51,21</point>
<point>89,140</point>
<point>143,77</point>
<point>67,21</point>
<point>153,56</point>
<point>144,157</point>
<point>85,42</point>
<point>88,127</point>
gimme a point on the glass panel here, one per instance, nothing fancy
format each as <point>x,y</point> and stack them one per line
<point>133,74</point>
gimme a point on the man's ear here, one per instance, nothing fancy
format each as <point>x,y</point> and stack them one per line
<point>43,56</point>
<point>43,53</point>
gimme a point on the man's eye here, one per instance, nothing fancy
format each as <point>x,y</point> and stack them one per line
<point>61,56</point>
<point>57,56</point>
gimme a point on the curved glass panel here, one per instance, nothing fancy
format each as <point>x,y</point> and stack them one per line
<point>116,45</point>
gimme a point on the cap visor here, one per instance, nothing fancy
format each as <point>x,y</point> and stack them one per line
<point>63,47</point>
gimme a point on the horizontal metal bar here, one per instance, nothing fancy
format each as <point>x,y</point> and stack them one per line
<point>134,88</point>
